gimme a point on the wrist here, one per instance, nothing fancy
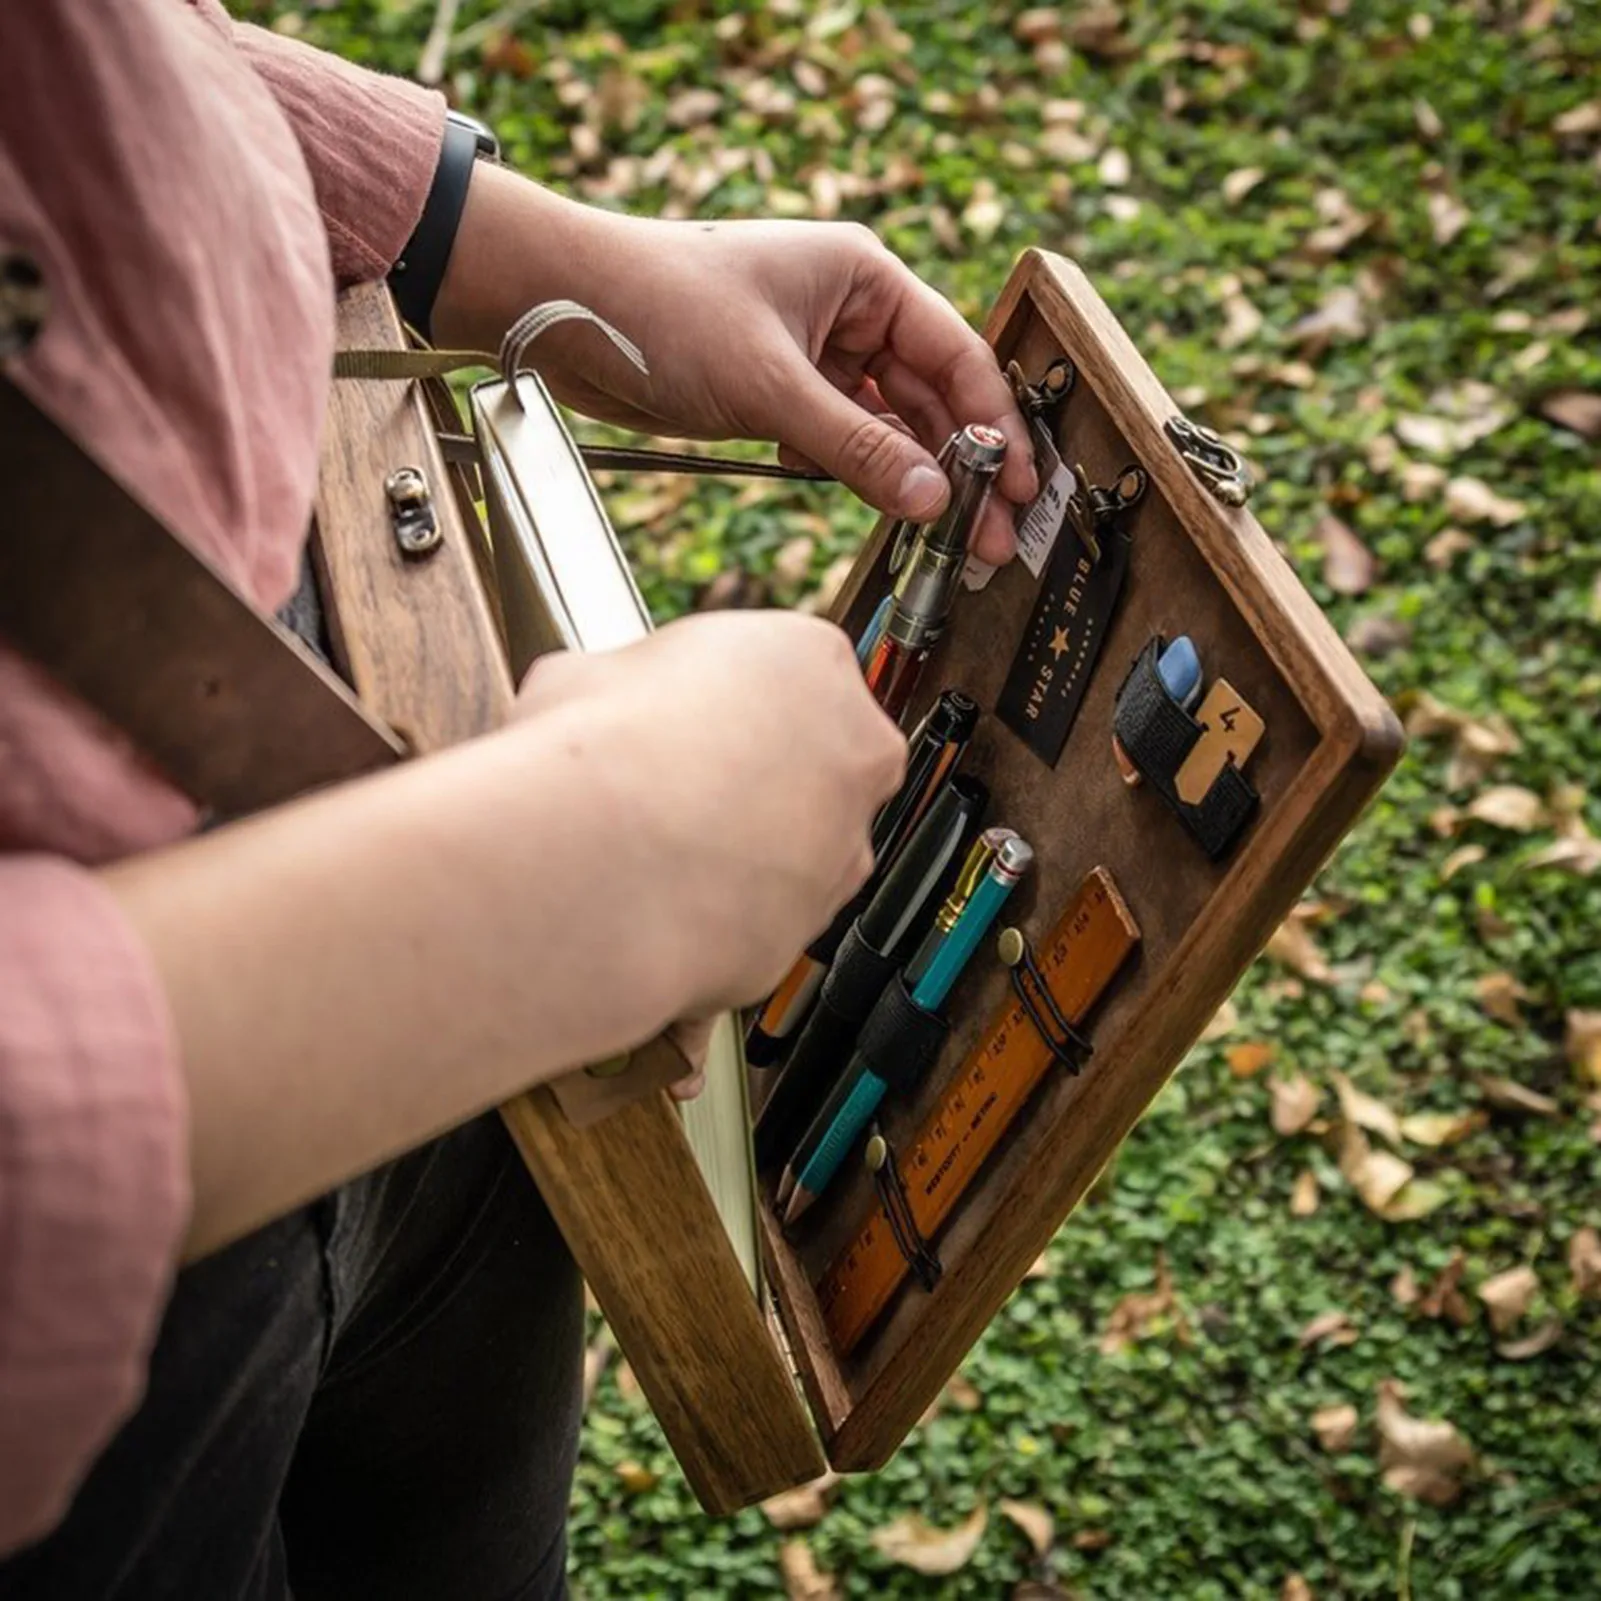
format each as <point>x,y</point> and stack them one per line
<point>519,244</point>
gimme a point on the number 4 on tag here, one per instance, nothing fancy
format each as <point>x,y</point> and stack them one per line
<point>1231,731</point>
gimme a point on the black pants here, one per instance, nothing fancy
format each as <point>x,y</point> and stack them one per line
<point>377,1397</point>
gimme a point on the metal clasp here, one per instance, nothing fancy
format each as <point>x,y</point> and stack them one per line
<point>1219,468</point>
<point>411,512</point>
<point>1094,509</point>
<point>1056,383</point>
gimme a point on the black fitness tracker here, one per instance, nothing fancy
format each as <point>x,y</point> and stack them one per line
<point>420,269</point>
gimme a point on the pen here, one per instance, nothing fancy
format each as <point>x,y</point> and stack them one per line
<point>857,1096</point>
<point>910,891</point>
<point>979,856</point>
<point>932,752</point>
<point>985,848</point>
<point>927,562</point>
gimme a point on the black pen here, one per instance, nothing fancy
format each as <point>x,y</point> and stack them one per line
<point>932,752</point>
<point>911,889</point>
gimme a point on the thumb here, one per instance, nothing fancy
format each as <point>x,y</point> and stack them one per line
<point>868,453</point>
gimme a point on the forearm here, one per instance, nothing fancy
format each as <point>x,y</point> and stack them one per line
<point>351,974</point>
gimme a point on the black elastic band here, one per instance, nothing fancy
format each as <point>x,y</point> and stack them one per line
<point>918,1254</point>
<point>1069,1048</point>
<point>420,270</point>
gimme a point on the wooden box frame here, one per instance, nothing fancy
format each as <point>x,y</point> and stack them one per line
<point>718,1370</point>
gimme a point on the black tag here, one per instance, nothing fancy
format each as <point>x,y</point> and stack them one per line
<point>1066,630</point>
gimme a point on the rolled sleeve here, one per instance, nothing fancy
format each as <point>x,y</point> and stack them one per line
<point>371,142</point>
<point>94,1194</point>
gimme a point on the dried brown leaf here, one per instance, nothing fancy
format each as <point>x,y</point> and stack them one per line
<point>1377,1176</point>
<point>1224,1021</point>
<point>1582,1041</point>
<point>1444,1298</point>
<point>1584,1262</point>
<point>595,1359</point>
<point>1506,1296</point>
<point>1295,1103</point>
<point>1365,1110</point>
<point>636,1478</point>
<point>803,1579</point>
<point>928,1550</point>
<point>1446,546</point>
<point>1424,1459</point>
<point>1328,1328</point>
<point>1340,317</point>
<point>1034,1521</point>
<point>1304,1197</point>
<point>1447,217</point>
<point>1463,856</point>
<point>792,565</point>
<point>1295,1588</point>
<point>1128,1320</point>
<point>1471,500</point>
<point>1435,1129</point>
<point>1580,854</point>
<point>1335,1427</point>
<point>1349,566</point>
<point>1510,806</point>
<point>1579,121</point>
<point>1293,946</point>
<point>1404,1287</point>
<point>693,107</point>
<point>962,1393</point>
<point>1532,1345</point>
<point>1575,409</point>
<point>802,1507</point>
<point>1248,1058</point>
<point>1092,1539</point>
<point>1507,1095</point>
<point>1499,994</point>
<point>1239,183</point>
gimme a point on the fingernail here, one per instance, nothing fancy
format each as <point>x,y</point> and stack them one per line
<point>922,491</point>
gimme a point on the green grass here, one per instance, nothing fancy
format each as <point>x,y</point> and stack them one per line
<point>1186,1465</point>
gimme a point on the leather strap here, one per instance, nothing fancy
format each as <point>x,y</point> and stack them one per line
<point>99,593</point>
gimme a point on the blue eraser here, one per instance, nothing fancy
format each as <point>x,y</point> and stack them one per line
<point>1179,668</point>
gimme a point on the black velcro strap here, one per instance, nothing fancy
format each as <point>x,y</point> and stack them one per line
<point>857,978</point>
<point>901,1041</point>
<point>854,983</point>
<point>1157,734</point>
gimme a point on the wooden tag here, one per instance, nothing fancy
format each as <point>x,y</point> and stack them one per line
<point>1233,731</point>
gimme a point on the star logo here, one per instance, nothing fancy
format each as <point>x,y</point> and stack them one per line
<point>1059,646</point>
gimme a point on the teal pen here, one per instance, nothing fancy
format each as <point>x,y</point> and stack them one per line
<point>857,1097</point>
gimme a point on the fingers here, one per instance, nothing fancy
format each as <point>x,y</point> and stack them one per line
<point>693,1038</point>
<point>929,338</point>
<point>885,466</point>
<point>996,538</point>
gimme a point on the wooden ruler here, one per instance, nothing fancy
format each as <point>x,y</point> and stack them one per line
<point>1088,946</point>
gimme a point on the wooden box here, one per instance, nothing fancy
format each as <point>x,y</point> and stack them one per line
<point>718,1368</point>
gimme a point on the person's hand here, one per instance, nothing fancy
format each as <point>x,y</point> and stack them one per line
<point>743,760</point>
<point>812,335</point>
<point>809,334</point>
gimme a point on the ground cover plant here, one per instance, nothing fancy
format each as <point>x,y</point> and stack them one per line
<point>1332,1326</point>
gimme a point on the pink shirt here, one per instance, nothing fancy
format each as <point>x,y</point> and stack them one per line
<point>191,189</point>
